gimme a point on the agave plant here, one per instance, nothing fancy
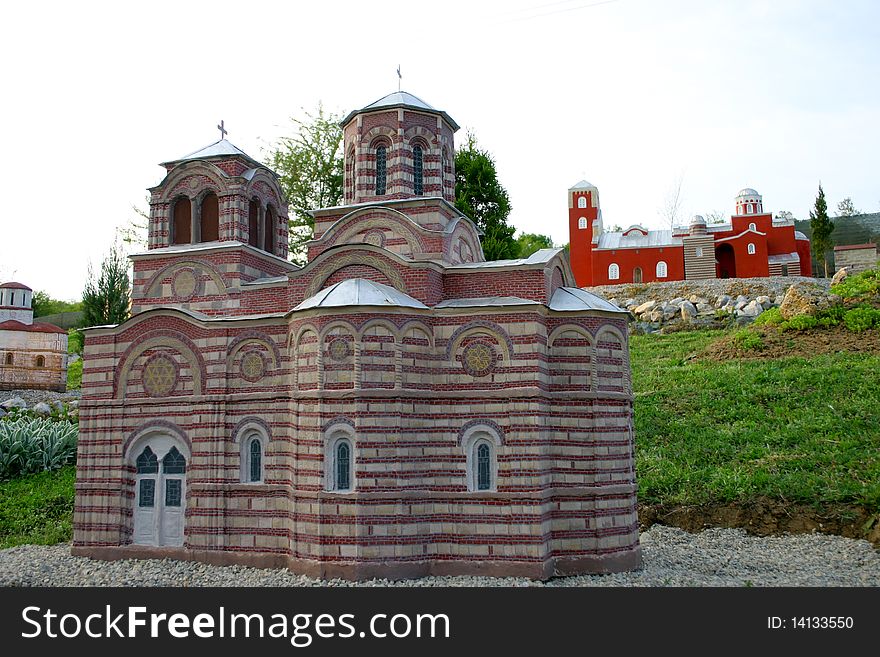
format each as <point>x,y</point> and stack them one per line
<point>30,445</point>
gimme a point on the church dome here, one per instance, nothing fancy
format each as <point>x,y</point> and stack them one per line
<point>698,220</point>
<point>748,191</point>
<point>359,292</point>
<point>401,99</point>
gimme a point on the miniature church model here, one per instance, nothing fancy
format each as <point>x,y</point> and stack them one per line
<point>397,407</point>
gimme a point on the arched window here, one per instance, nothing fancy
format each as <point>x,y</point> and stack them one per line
<point>418,170</point>
<point>753,227</point>
<point>254,222</point>
<point>637,275</point>
<point>255,460</point>
<point>10,359</point>
<point>181,228</point>
<point>481,444</point>
<point>342,466</point>
<point>751,249</point>
<point>582,201</point>
<point>174,462</point>
<point>484,466</point>
<point>147,463</point>
<point>210,218</point>
<point>661,269</point>
<point>582,223</point>
<point>269,229</point>
<point>381,169</point>
<point>613,272</point>
<point>749,208</point>
<point>41,361</point>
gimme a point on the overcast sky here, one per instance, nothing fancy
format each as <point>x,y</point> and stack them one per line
<point>630,94</point>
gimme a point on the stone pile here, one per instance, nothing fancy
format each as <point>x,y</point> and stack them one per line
<point>42,405</point>
<point>674,305</point>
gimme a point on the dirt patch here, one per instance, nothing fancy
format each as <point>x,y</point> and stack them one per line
<point>785,344</point>
<point>766,517</point>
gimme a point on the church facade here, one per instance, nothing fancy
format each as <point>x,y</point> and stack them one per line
<point>752,244</point>
<point>396,407</point>
<point>33,355</point>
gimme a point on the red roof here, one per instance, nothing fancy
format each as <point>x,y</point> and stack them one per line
<point>850,247</point>
<point>36,327</point>
<point>16,286</point>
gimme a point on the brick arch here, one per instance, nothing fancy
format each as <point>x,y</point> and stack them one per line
<point>464,229</point>
<point>421,326</point>
<point>167,270</point>
<point>150,427</point>
<point>351,224</point>
<point>481,425</point>
<point>330,267</point>
<point>416,132</point>
<point>563,328</point>
<point>474,327</point>
<point>264,178</point>
<point>216,179</point>
<point>250,422</point>
<point>250,337</point>
<point>171,340</point>
<point>371,137</point>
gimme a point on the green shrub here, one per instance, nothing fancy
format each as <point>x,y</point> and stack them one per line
<point>831,316</point>
<point>799,323</point>
<point>748,340</point>
<point>861,318</point>
<point>771,316</point>
<point>861,285</point>
<point>74,375</point>
<point>74,341</point>
<point>29,445</point>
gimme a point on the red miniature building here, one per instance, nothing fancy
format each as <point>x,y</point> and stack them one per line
<point>752,244</point>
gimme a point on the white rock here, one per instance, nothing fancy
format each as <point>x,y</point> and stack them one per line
<point>645,307</point>
<point>42,408</point>
<point>13,402</point>
<point>688,310</point>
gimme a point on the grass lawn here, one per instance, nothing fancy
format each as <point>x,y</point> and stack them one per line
<point>804,430</point>
<point>37,508</point>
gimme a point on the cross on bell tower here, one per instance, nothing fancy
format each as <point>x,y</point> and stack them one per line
<point>222,128</point>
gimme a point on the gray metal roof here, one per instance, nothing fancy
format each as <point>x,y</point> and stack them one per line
<point>748,191</point>
<point>798,235</point>
<point>583,184</point>
<point>538,257</point>
<point>401,99</point>
<point>784,257</point>
<point>482,302</point>
<point>574,298</point>
<point>359,292</point>
<point>636,239</point>
<point>222,148</point>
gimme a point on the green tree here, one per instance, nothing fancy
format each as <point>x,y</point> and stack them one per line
<point>480,196</point>
<point>531,242</point>
<point>106,300</point>
<point>43,305</point>
<point>846,208</point>
<point>821,228</point>
<point>309,165</point>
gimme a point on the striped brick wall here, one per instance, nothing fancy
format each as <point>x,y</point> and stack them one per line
<point>557,396</point>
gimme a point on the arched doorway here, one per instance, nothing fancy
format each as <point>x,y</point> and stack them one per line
<point>637,275</point>
<point>160,490</point>
<point>725,261</point>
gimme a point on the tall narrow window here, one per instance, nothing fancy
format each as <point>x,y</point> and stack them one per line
<point>270,229</point>
<point>418,178</point>
<point>751,249</point>
<point>582,223</point>
<point>210,218</point>
<point>343,465</point>
<point>661,269</point>
<point>181,227</point>
<point>785,269</point>
<point>613,272</point>
<point>41,361</point>
<point>582,201</point>
<point>381,169</point>
<point>256,460</point>
<point>484,467</point>
<point>10,359</point>
<point>698,252</point>
<point>254,222</point>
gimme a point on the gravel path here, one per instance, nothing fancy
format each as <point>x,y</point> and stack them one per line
<point>714,557</point>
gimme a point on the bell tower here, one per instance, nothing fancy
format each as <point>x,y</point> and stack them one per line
<point>398,147</point>
<point>584,229</point>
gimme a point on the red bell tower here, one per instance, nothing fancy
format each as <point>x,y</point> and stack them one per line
<point>584,228</point>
